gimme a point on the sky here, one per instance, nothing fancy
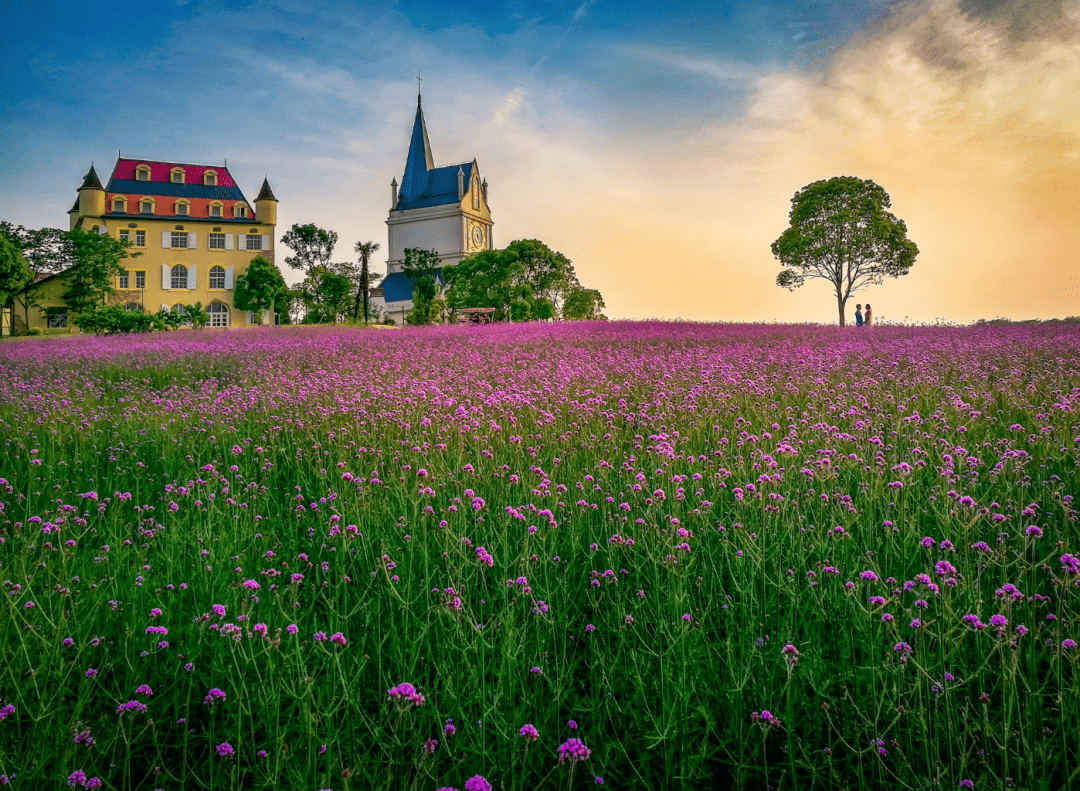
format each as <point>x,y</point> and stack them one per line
<point>656,144</point>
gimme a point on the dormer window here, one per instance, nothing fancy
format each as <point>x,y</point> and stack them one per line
<point>182,208</point>
<point>176,175</point>
<point>239,210</point>
<point>119,205</point>
<point>215,209</point>
<point>146,206</point>
<point>210,179</point>
<point>142,173</point>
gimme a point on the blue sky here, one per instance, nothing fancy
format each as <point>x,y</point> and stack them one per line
<point>656,144</point>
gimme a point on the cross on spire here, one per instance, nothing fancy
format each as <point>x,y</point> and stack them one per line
<point>418,80</point>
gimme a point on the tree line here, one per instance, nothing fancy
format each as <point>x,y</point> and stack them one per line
<point>526,281</point>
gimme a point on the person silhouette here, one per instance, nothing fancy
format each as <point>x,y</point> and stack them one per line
<point>868,320</point>
<point>858,316</point>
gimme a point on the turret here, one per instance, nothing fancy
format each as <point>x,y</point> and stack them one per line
<point>266,205</point>
<point>91,195</point>
<point>460,183</point>
<point>393,193</point>
<point>483,190</point>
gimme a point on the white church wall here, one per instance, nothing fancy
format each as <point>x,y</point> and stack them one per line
<point>442,234</point>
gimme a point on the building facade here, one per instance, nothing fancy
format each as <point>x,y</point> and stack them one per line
<point>194,228</point>
<point>444,209</point>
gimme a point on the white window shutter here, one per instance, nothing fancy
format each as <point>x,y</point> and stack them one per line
<point>241,242</point>
<point>265,242</point>
<point>166,277</point>
<point>228,241</point>
<point>166,239</point>
<point>192,241</point>
<point>191,276</point>
<point>228,277</point>
<point>164,306</point>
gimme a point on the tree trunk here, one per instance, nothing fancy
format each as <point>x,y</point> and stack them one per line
<point>364,286</point>
<point>841,302</point>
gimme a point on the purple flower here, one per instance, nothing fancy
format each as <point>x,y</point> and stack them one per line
<point>337,638</point>
<point>536,671</point>
<point>143,689</point>
<point>998,621</point>
<point>529,733</point>
<point>477,783</point>
<point>449,728</point>
<point>573,750</point>
<point>966,784</point>
<point>213,696</point>
<point>225,750</point>
<point>429,746</point>
<point>292,628</point>
<point>8,710</point>
<point>320,637</point>
<point>1070,564</point>
<point>1068,643</point>
<point>91,673</point>
<point>77,779</point>
<point>571,725</point>
<point>404,694</point>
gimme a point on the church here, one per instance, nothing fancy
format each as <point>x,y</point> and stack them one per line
<point>444,209</point>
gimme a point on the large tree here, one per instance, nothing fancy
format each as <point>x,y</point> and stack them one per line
<point>547,275</point>
<point>15,273</point>
<point>841,231</point>
<point>312,247</point>
<point>46,250</point>
<point>97,263</point>
<point>483,280</point>
<point>260,287</point>
<point>365,251</point>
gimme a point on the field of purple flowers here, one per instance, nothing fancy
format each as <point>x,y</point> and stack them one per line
<point>523,557</point>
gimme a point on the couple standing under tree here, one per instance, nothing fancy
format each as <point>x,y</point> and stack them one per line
<point>860,319</point>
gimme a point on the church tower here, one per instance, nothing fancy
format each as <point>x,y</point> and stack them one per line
<point>444,209</point>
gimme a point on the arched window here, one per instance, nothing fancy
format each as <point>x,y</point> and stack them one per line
<point>179,278</point>
<point>209,178</point>
<point>178,308</point>
<point>146,206</point>
<point>219,314</point>
<point>142,173</point>
<point>217,277</point>
<point>176,175</point>
<point>182,208</point>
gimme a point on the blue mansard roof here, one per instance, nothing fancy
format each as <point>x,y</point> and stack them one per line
<point>442,188</point>
<point>398,287</point>
<point>170,190</point>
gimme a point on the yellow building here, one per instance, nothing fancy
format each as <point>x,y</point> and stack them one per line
<point>195,229</point>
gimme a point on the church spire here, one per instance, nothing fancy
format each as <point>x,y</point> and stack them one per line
<point>415,181</point>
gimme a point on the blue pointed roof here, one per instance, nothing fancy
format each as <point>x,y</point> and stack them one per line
<point>419,162</point>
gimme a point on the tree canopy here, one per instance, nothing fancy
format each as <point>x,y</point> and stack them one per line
<point>312,247</point>
<point>97,262</point>
<point>841,231</point>
<point>14,271</point>
<point>525,281</point>
<point>260,287</point>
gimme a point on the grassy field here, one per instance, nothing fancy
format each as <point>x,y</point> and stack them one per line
<point>651,556</point>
